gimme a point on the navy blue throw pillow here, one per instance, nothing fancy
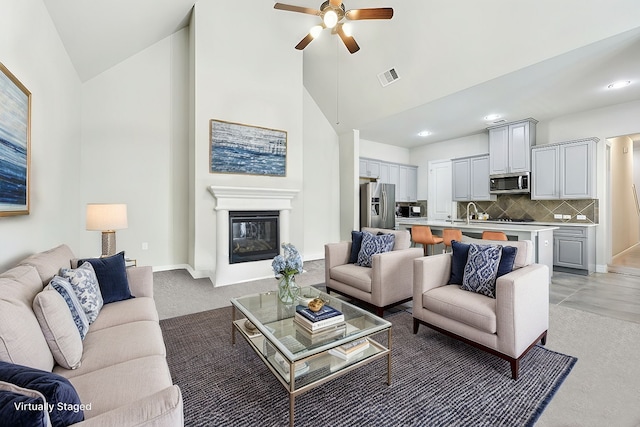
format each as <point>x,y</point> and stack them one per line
<point>507,260</point>
<point>458,261</point>
<point>461,253</point>
<point>18,410</point>
<point>62,398</point>
<point>111,273</point>
<point>356,243</point>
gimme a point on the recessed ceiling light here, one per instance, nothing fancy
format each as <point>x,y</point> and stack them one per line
<point>619,84</point>
<point>424,133</point>
<point>491,117</point>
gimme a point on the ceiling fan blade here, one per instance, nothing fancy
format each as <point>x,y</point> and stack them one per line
<point>290,8</point>
<point>335,3</point>
<point>374,13</point>
<point>304,42</point>
<point>348,41</point>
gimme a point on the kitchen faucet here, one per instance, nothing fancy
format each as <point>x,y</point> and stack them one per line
<point>475,208</point>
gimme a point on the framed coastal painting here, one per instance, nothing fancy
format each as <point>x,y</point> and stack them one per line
<point>248,150</point>
<point>15,136</point>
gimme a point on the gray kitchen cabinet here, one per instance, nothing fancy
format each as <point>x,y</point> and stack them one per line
<point>407,187</point>
<point>578,169</point>
<point>574,248</point>
<point>471,179</point>
<point>384,172</point>
<point>564,171</point>
<point>404,177</point>
<point>510,146</point>
<point>545,178</point>
<point>369,168</point>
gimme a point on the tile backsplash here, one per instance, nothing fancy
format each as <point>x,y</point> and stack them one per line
<point>518,206</point>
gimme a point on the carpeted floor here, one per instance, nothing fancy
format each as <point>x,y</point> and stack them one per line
<point>436,381</point>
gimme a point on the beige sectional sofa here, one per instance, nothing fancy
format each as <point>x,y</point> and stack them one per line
<point>123,373</point>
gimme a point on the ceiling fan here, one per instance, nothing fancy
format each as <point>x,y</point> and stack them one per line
<point>332,13</point>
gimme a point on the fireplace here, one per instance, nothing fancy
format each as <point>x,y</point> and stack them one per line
<point>253,236</point>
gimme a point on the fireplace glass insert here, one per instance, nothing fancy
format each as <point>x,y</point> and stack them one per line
<point>253,236</point>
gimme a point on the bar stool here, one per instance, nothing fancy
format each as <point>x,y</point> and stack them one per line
<point>422,234</point>
<point>494,235</point>
<point>449,234</point>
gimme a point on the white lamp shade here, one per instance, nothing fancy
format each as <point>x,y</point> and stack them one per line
<point>102,216</point>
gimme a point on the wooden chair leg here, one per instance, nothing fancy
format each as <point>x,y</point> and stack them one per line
<point>416,325</point>
<point>379,311</point>
<point>515,368</point>
<point>543,340</point>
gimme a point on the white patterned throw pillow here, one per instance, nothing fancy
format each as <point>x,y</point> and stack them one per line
<point>65,289</point>
<point>85,285</point>
<point>481,269</point>
<point>372,245</point>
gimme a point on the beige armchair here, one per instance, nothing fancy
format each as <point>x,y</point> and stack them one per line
<point>388,282</point>
<point>507,326</point>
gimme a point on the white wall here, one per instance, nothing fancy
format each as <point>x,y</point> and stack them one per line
<point>243,78</point>
<point>31,49</point>
<point>386,152</point>
<point>321,187</point>
<point>451,149</point>
<point>624,219</point>
<point>349,190</point>
<point>135,148</point>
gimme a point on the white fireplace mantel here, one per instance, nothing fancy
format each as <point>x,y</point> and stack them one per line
<point>246,198</point>
<point>252,198</point>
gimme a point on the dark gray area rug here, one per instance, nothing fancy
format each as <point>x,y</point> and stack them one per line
<point>436,381</point>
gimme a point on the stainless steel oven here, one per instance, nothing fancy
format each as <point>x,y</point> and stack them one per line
<point>509,183</point>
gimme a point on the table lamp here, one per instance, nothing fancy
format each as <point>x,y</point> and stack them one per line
<point>107,218</point>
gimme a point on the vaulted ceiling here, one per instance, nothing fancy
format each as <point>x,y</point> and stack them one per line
<point>458,61</point>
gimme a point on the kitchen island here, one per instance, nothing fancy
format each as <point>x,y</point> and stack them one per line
<point>540,235</point>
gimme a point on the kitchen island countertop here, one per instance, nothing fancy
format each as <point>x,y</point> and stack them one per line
<point>529,227</point>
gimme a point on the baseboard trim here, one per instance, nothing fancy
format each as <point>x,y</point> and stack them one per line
<point>196,274</point>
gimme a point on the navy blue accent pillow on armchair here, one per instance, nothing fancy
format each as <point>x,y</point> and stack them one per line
<point>461,253</point>
<point>111,273</point>
<point>356,243</point>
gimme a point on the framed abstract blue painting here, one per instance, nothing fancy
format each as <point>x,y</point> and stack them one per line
<point>15,139</point>
<point>250,150</point>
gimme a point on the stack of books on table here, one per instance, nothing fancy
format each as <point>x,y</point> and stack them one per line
<point>351,349</point>
<point>324,320</point>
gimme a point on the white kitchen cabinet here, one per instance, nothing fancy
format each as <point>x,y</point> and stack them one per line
<point>471,179</point>
<point>510,146</point>
<point>564,171</point>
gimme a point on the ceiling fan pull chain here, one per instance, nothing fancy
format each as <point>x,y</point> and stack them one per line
<point>337,82</point>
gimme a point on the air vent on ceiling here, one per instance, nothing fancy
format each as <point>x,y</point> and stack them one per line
<point>388,77</point>
<point>497,122</point>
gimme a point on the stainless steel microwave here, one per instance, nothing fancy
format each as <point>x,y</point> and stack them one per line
<point>509,183</point>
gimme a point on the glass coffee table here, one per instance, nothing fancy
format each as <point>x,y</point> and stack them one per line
<point>301,360</point>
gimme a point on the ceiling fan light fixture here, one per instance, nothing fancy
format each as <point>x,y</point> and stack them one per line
<point>348,29</point>
<point>330,18</point>
<point>315,31</point>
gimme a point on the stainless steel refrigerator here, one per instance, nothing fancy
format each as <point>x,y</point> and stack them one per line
<point>378,205</point>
